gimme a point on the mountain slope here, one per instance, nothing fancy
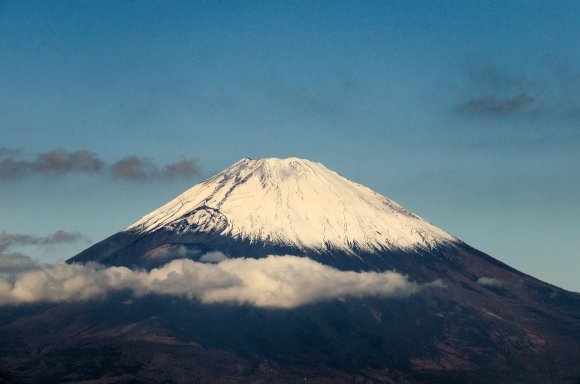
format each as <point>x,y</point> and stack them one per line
<point>482,322</point>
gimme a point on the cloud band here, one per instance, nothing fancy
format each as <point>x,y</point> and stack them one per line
<point>61,162</point>
<point>274,281</point>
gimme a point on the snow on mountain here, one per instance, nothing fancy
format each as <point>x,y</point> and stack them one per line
<point>294,202</point>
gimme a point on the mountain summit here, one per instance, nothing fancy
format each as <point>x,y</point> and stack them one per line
<point>278,206</point>
<point>293,202</point>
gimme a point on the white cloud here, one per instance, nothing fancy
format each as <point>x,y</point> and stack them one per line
<point>274,281</point>
<point>174,251</point>
<point>490,282</point>
<point>213,257</point>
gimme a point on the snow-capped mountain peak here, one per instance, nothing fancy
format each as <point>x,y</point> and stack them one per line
<point>294,202</point>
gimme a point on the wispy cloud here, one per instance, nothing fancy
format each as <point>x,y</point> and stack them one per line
<point>213,257</point>
<point>61,162</point>
<point>135,168</point>
<point>332,99</point>
<point>8,240</point>
<point>491,282</point>
<point>307,101</point>
<point>274,281</point>
<point>495,105</point>
<point>53,162</point>
<point>5,152</point>
<point>490,91</point>
<point>15,262</point>
<point>547,89</point>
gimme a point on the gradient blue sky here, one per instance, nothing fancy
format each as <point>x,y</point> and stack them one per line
<point>467,113</point>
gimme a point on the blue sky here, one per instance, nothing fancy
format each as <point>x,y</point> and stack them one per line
<point>467,113</point>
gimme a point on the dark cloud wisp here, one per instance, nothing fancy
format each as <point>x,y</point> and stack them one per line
<point>15,262</point>
<point>493,92</point>
<point>8,240</point>
<point>135,168</point>
<point>56,162</point>
<point>496,106</point>
<point>60,162</point>
<point>544,90</point>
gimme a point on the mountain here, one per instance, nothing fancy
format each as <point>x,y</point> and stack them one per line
<point>293,202</point>
<point>275,206</point>
<point>481,322</point>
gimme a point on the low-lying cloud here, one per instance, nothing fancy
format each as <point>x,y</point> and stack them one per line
<point>491,282</point>
<point>16,262</point>
<point>60,162</point>
<point>213,257</point>
<point>274,281</point>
